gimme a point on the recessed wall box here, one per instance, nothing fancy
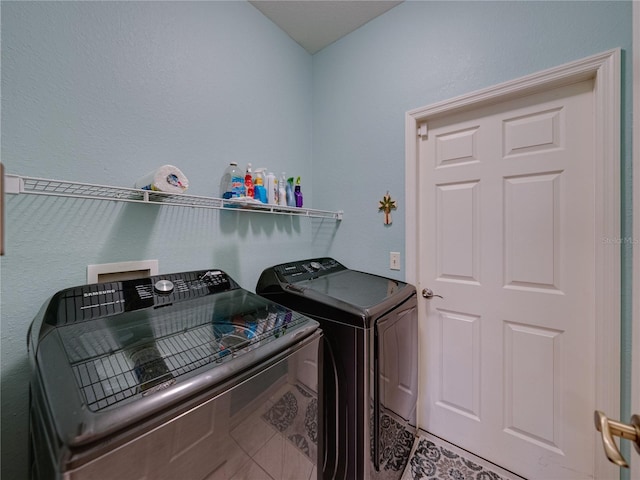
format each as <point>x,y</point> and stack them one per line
<point>114,272</point>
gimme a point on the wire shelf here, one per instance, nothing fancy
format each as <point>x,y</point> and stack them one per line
<point>16,184</point>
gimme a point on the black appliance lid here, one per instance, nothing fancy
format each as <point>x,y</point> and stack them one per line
<point>325,289</point>
<point>355,288</point>
<point>125,361</point>
<point>136,353</point>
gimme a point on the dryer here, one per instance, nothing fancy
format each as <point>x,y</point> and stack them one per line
<point>370,367</point>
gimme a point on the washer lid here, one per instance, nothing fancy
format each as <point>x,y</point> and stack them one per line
<point>125,357</point>
<point>104,374</point>
<point>359,289</point>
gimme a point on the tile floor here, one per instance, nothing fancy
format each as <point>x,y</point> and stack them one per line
<point>260,450</point>
<point>263,446</point>
<point>435,459</point>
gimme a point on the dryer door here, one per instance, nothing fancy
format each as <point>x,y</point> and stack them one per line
<point>395,392</point>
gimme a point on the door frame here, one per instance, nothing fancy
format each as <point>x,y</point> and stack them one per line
<point>604,69</point>
<point>635,315</point>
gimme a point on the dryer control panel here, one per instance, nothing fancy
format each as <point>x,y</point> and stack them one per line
<point>306,269</point>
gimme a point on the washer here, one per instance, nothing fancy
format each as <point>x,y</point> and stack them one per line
<point>185,375</point>
<point>370,327</point>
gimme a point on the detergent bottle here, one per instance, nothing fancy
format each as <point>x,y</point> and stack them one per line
<point>282,190</point>
<point>259,191</point>
<point>232,182</point>
<point>291,201</point>
<point>248,182</point>
<point>271,184</point>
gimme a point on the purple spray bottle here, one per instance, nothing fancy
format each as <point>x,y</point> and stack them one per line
<point>298,193</point>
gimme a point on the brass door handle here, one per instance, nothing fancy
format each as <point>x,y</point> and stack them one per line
<point>609,428</point>
<point>428,293</point>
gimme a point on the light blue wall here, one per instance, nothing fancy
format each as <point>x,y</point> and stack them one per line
<point>417,54</point>
<point>420,53</point>
<point>104,92</point>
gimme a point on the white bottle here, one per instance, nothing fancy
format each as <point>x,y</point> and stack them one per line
<point>271,184</point>
<point>232,182</point>
<point>282,190</point>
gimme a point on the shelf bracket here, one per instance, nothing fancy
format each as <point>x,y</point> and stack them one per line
<point>13,184</point>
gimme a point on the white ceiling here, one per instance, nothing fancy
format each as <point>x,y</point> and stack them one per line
<point>314,24</point>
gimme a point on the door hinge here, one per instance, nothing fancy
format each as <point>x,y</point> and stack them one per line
<point>422,131</point>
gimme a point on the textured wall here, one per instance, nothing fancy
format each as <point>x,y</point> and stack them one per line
<point>104,92</point>
<point>423,52</point>
<point>419,53</point>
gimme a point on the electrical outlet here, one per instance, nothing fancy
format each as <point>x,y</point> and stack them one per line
<point>394,260</point>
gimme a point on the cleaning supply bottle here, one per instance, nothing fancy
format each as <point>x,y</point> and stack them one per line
<point>259,191</point>
<point>291,201</point>
<point>271,184</point>
<point>298,193</point>
<point>248,182</point>
<point>282,190</point>
<point>232,182</point>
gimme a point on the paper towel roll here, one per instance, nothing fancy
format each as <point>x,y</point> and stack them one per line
<point>166,178</point>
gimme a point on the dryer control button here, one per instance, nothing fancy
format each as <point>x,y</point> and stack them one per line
<point>163,286</point>
<point>315,265</point>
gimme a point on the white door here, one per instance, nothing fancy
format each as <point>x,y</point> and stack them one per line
<point>508,240</point>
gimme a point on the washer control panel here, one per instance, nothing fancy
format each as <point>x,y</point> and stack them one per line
<point>87,302</point>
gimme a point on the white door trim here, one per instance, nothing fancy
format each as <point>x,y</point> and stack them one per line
<point>635,323</point>
<point>604,68</point>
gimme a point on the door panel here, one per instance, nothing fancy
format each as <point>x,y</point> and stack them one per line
<point>508,239</point>
<point>460,363</point>
<point>458,255</point>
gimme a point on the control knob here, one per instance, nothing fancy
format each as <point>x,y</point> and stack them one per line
<point>164,286</point>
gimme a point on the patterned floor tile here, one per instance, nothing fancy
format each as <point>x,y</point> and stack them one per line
<point>435,459</point>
